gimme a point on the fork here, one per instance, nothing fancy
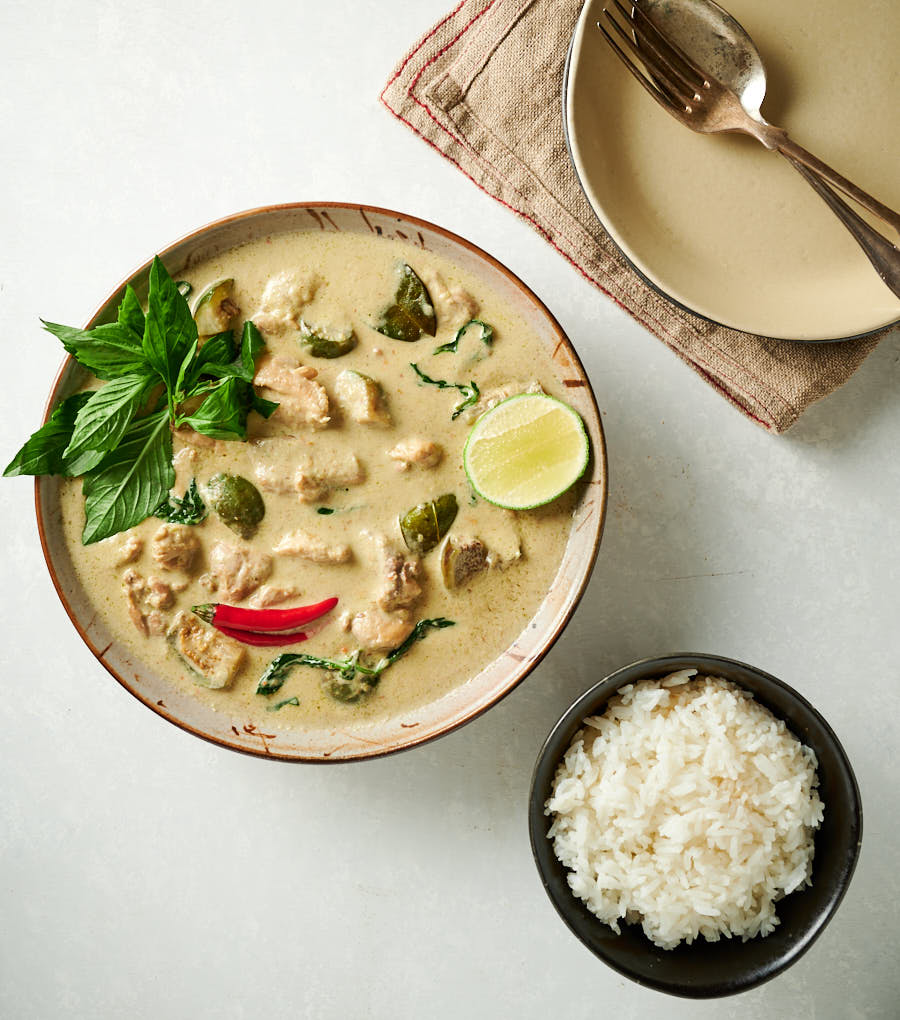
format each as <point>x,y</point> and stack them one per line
<point>701,102</point>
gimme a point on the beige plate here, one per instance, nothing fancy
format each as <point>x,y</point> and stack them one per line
<point>718,223</point>
<point>460,705</point>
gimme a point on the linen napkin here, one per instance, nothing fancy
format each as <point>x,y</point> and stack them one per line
<point>483,87</point>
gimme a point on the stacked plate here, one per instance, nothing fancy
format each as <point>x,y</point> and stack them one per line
<point>719,224</point>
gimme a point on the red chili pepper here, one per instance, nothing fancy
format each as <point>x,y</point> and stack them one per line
<point>265,640</point>
<point>262,620</point>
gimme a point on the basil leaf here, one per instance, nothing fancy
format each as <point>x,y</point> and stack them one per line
<point>190,509</point>
<point>102,421</point>
<point>109,351</point>
<point>280,667</point>
<point>185,370</point>
<point>486,336</point>
<point>131,481</point>
<point>469,391</point>
<point>252,345</point>
<point>279,705</point>
<point>214,358</point>
<point>223,415</point>
<point>130,312</point>
<point>219,358</point>
<point>169,330</point>
<point>264,408</point>
<point>419,632</point>
<point>43,453</point>
<point>352,679</point>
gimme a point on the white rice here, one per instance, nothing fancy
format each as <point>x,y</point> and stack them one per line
<point>686,806</point>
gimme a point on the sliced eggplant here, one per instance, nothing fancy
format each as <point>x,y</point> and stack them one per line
<point>237,503</point>
<point>411,314</point>
<point>362,398</point>
<point>350,691</point>
<point>461,560</point>
<point>321,343</point>
<point>215,310</point>
<point>212,658</point>
<point>425,524</point>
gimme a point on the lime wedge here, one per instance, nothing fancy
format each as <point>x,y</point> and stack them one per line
<point>526,451</point>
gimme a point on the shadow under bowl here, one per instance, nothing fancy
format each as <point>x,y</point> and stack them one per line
<point>711,969</point>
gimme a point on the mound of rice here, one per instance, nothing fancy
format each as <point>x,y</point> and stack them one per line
<point>688,807</point>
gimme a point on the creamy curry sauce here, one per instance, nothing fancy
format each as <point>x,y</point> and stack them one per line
<point>353,278</point>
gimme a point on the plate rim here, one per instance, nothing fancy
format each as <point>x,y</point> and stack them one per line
<point>873,333</point>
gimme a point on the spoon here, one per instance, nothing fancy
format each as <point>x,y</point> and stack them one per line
<point>721,46</point>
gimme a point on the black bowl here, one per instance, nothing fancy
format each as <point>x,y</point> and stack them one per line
<point>710,969</point>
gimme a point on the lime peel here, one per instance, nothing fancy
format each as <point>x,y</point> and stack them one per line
<point>526,451</point>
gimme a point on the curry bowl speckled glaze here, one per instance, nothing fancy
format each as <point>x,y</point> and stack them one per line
<point>311,740</point>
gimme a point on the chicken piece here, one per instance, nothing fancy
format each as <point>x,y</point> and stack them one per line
<point>301,401</point>
<point>362,398</point>
<point>389,622</point>
<point>272,595</point>
<point>274,463</point>
<point>401,575</point>
<point>312,470</point>
<point>236,571</point>
<point>309,547</point>
<point>130,549</point>
<point>283,375</point>
<point>213,658</point>
<point>502,557</point>
<point>378,631</point>
<point>283,300</point>
<point>159,595</point>
<point>307,408</point>
<point>490,398</point>
<point>146,601</point>
<point>416,452</point>
<point>156,622</point>
<point>454,306</point>
<point>175,547</point>
<point>502,537</point>
<point>317,474</point>
<point>401,587</point>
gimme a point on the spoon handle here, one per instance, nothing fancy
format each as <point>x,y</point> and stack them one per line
<point>883,255</point>
<point>797,154</point>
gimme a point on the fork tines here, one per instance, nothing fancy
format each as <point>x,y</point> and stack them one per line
<point>672,77</point>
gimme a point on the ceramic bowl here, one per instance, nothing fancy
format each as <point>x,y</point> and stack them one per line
<point>710,969</point>
<point>460,705</point>
<point>716,223</point>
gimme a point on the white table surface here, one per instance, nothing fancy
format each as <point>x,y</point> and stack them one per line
<point>147,874</point>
